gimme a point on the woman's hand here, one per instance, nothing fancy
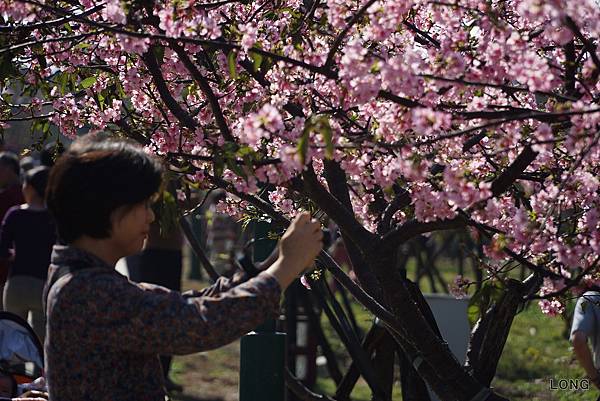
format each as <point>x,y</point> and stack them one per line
<point>298,248</point>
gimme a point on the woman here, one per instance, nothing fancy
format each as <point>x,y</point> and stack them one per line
<point>104,332</point>
<point>29,232</point>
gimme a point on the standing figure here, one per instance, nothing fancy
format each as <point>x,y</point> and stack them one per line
<point>29,231</point>
<point>585,326</point>
<point>10,195</point>
<point>160,262</point>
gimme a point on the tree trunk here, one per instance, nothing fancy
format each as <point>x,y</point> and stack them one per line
<point>491,331</point>
<point>431,357</point>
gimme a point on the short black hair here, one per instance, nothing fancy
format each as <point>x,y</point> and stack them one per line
<point>11,160</point>
<point>26,163</point>
<point>95,177</point>
<point>37,177</point>
<point>50,153</point>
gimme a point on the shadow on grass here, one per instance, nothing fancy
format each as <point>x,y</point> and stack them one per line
<point>185,397</point>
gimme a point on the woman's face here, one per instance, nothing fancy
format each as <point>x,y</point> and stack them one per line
<point>130,227</point>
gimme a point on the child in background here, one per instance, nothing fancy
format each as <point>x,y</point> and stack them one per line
<point>28,230</point>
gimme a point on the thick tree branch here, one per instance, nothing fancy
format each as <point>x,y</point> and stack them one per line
<point>491,331</point>
<point>424,34</point>
<point>506,88</point>
<point>570,65</point>
<point>589,45</point>
<point>402,199</point>
<point>512,172</point>
<point>337,183</point>
<point>412,228</point>
<point>336,210</point>
<point>208,92</point>
<point>402,101</point>
<point>154,69</point>
<point>541,116</point>
<point>188,156</point>
<point>357,292</point>
<point>195,244</point>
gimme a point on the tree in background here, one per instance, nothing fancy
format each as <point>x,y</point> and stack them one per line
<point>393,118</point>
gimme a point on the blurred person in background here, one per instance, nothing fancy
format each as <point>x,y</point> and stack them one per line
<point>50,153</point>
<point>27,235</point>
<point>27,163</point>
<point>10,195</point>
<point>160,263</point>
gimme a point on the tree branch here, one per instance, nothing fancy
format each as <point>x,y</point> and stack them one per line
<point>512,172</point>
<point>412,228</point>
<point>402,199</point>
<point>336,210</point>
<point>208,92</point>
<point>337,183</point>
<point>399,100</point>
<point>154,69</point>
<point>589,46</point>
<point>193,241</point>
<point>338,40</point>
<point>47,24</point>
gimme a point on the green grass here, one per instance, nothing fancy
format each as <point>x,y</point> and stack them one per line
<point>536,352</point>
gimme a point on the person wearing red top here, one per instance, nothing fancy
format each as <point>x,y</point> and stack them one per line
<point>10,195</point>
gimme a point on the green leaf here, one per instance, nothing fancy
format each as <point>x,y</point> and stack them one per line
<point>256,60</point>
<point>159,52</point>
<point>88,82</point>
<point>245,150</point>
<point>303,142</point>
<point>324,129</point>
<point>233,166</point>
<point>101,100</point>
<point>231,63</point>
<point>168,213</point>
<point>218,165</point>
<point>248,163</point>
<point>489,293</point>
<point>473,312</point>
<point>321,126</point>
<point>229,148</point>
<point>121,90</point>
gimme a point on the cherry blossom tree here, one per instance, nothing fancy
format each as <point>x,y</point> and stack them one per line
<point>394,119</point>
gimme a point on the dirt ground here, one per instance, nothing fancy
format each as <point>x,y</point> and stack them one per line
<point>207,376</point>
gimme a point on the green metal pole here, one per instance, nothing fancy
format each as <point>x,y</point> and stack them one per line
<point>262,352</point>
<point>195,272</point>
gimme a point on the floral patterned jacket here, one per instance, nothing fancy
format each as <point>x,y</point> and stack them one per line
<point>104,332</point>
